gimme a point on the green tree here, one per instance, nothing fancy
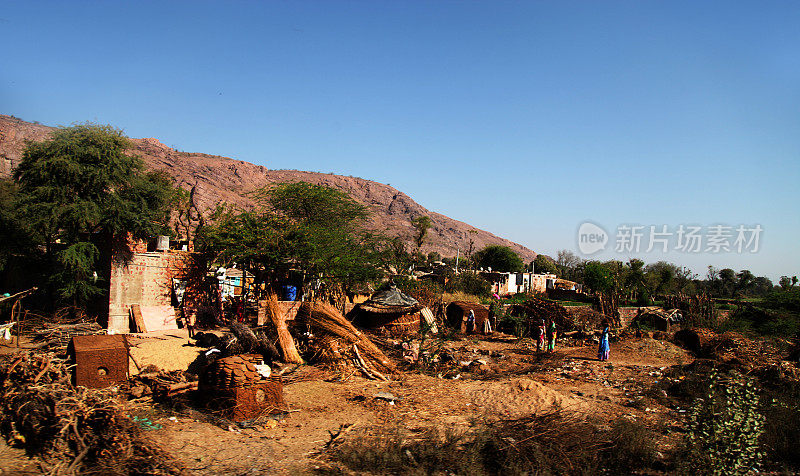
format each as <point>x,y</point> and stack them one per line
<point>544,265</point>
<point>598,277</point>
<point>499,258</point>
<point>312,228</point>
<point>635,283</point>
<point>660,277</point>
<point>421,225</point>
<point>15,236</point>
<point>727,282</point>
<point>80,188</point>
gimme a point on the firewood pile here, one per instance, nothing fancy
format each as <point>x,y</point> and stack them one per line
<point>71,430</point>
<point>59,335</point>
<point>608,305</point>
<point>335,344</point>
<point>158,384</point>
<point>586,318</point>
<point>537,309</point>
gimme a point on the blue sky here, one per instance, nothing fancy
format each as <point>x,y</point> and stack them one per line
<point>522,118</point>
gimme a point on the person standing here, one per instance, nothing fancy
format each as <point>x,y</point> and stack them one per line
<point>551,336</point>
<point>470,321</point>
<point>604,349</point>
<point>540,334</point>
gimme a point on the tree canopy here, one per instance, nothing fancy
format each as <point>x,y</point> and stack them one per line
<point>544,264</point>
<point>311,228</point>
<point>499,258</point>
<point>80,188</point>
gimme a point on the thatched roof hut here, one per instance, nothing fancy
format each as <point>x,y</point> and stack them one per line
<point>657,318</point>
<point>458,311</point>
<point>389,311</point>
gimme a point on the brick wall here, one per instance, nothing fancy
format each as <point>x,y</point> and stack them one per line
<point>146,280</point>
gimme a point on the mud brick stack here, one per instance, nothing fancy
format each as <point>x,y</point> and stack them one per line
<point>101,360</point>
<point>233,387</point>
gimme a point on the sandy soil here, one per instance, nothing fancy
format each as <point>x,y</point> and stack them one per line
<point>515,381</point>
<point>519,383</point>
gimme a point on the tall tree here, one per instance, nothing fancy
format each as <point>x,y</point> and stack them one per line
<point>298,225</point>
<point>598,277</point>
<point>499,258</point>
<point>421,224</point>
<point>80,188</point>
<point>544,264</point>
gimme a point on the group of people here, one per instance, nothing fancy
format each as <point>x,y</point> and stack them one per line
<point>546,332</point>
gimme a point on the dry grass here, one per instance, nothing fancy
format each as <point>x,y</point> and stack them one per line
<point>460,296</point>
<point>556,443</point>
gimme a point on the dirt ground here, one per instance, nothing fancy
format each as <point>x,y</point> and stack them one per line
<point>518,382</point>
<point>512,381</point>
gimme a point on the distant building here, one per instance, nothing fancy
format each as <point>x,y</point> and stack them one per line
<point>513,283</point>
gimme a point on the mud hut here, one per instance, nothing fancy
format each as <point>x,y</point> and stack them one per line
<point>457,312</point>
<point>388,311</point>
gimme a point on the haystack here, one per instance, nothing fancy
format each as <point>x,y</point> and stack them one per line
<point>338,345</point>
<point>388,311</point>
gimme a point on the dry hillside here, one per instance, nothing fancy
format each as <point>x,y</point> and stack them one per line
<point>224,179</point>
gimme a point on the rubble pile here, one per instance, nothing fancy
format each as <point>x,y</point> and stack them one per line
<point>733,348</point>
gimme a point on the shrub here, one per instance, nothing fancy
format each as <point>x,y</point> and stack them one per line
<point>724,427</point>
<point>469,283</point>
<point>633,447</point>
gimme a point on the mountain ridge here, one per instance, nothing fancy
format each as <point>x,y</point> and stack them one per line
<point>223,179</point>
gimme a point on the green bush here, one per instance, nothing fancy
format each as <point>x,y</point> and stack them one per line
<point>469,283</point>
<point>724,427</point>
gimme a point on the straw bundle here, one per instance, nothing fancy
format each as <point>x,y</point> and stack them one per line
<point>285,340</point>
<point>324,318</point>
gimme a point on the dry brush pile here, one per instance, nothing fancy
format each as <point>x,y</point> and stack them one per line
<point>534,310</point>
<point>336,344</point>
<point>71,430</point>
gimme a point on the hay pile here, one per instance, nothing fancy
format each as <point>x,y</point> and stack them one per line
<point>337,345</point>
<point>71,430</point>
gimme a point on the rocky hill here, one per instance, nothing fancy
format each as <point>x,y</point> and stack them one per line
<point>221,179</point>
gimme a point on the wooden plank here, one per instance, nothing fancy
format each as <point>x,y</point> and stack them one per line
<point>138,319</point>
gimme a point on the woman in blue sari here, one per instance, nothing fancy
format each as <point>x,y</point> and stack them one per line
<point>604,349</point>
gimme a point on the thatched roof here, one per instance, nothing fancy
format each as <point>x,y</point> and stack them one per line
<point>390,301</point>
